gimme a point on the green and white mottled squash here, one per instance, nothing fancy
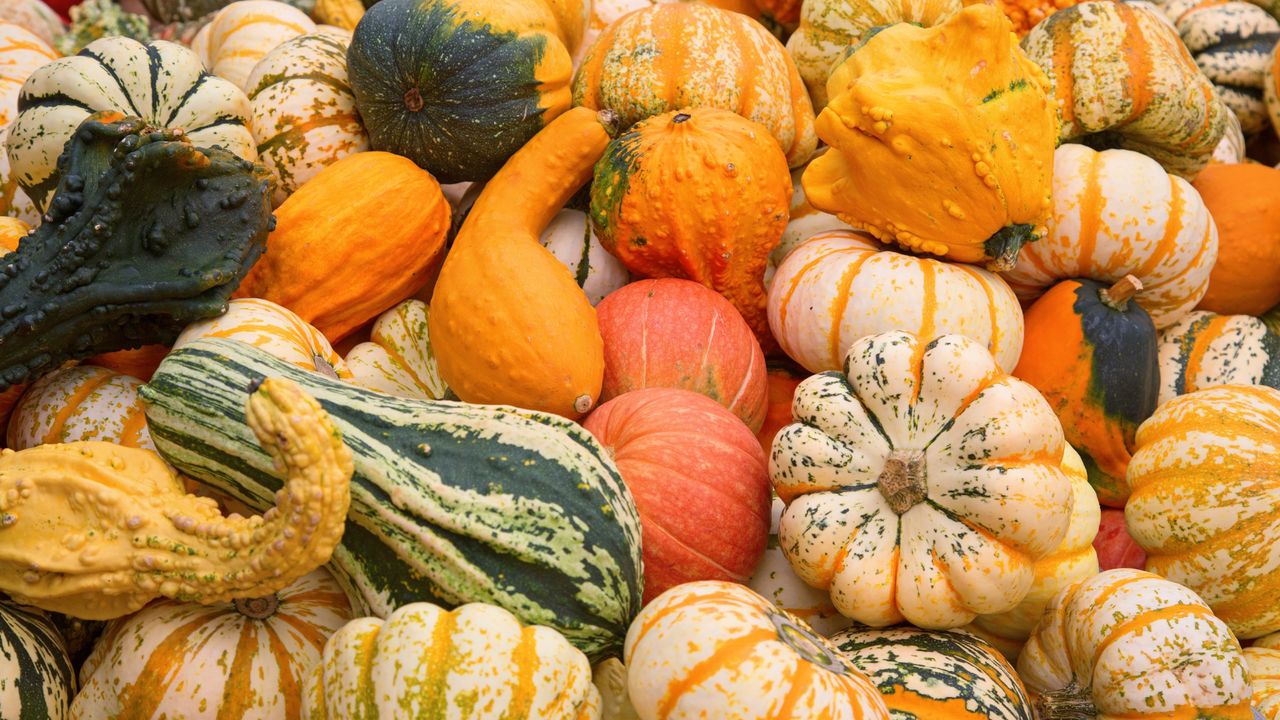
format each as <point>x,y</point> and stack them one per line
<point>80,403</point>
<point>161,82</point>
<point>451,503</point>
<point>304,115</point>
<point>37,680</point>
<point>777,582</point>
<point>242,33</point>
<point>398,360</point>
<point>1204,349</point>
<point>572,239</point>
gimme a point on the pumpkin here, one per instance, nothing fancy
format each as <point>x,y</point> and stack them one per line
<point>139,362</point>
<point>777,582</point>
<point>304,115</point>
<point>648,64</point>
<point>333,262</point>
<point>458,86</point>
<point>929,154</point>
<point>937,675</point>
<point>275,329</point>
<point>1202,500</point>
<point>1231,149</point>
<point>1114,545</point>
<point>678,334</point>
<point>1263,659</point>
<point>1123,79</point>
<point>841,285</point>
<point>509,324</point>
<point>699,480</point>
<point>1128,644</point>
<point>21,52</point>
<point>921,484</point>
<point>13,199</point>
<point>162,82</point>
<point>477,660</point>
<point>781,380</point>
<point>1246,277</point>
<point>805,222</point>
<point>1091,351</point>
<point>39,679</point>
<point>605,12</point>
<point>243,32</point>
<point>570,237</point>
<point>343,14</point>
<point>750,661</point>
<point>1118,213</point>
<point>244,659</point>
<point>1025,14</point>
<point>34,16</point>
<point>1204,350</point>
<point>398,359</point>
<point>700,194</point>
<point>80,403</point>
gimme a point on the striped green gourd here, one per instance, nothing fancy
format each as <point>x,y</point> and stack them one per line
<point>450,503</point>
<point>37,679</point>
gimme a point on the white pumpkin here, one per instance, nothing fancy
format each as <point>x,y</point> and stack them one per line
<point>274,329</point>
<point>21,52</point>
<point>35,16</point>
<point>805,222</point>
<point>571,238</point>
<point>243,32</point>
<point>777,582</point>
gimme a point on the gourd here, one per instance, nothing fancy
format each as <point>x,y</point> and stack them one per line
<point>478,660</point>
<point>1204,350</point>
<point>145,235</point>
<point>605,12</point>
<point>244,659</point>
<point>458,86</point>
<point>304,115</point>
<point>751,661</point>
<point>1137,53</point>
<point>398,359</point>
<point>451,503</point>
<point>13,199</point>
<point>161,82</point>
<point>36,17</point>
<point>335,260</point>
<point>12,231</point>
<point>1114,544</point>
<point>1129,644</point>
<point>243,32</point>
<point>80,403</point>
<point>39,677</point>
<point>1091,351</point>
<point>921,484</point>
<point>160,541</point>
<point>274,329</point>
<point>678,334</point>
<point>21,53</point>
<point>700,194</point>
<point>1026,14</point>
<point>1196,513</point>
<point>570,237</point>
<point>1152,225</point>
<point>1263,659</point>
<point>781,379</point>
<point>509,324</point>
<point>1231,148</point>
<point>343,14</point>
<point>757,80</point>
<point>1246,277</point>
<point>932,156</point>
<point>842,285</point>
<point>95,19</point>
<point>777,582</point>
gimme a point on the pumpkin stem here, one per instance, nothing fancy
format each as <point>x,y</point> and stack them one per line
<point>1070,703</point>
<point>1117,296</point>
<point>259,608</point>
<point>610,121</point>
<point>413,100</point>
<point>679,118</point>
<point>1003,247</point>
<point>902,482</point>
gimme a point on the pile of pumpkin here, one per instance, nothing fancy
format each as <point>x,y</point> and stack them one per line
<point>756,359</point>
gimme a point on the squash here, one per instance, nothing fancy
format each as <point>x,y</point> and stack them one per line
<point>36,17</point>
<point>21,52</point>
<point>139,362</point>
<point>750,661</point>
<point>1231,149</point>
<point>921,484</point>
<point>39,678</point>
<point>677,334</point>
<point>931,155</point>
<point>477,661</point>
<point>648,64</point>
<point>1114,545</point>
<point>781,380</point>
<point>700,194</point>
<point>1123,79</point>
<point>95,19</point>
<point>1271,85</point>
<point>398,359</point>
<point>570,237</point>
<point>274,329</point>
<point>242,33</point>
<point>1263,658</point>
<point>509,324</point>
<point>304,115</point>
<point>1026,14</point>
<point>332,260</point>
<point>161,82</point>
<point>12,230</point>
<point>1205,350</point>
<point>342,14</point>
<point>777,582</point>
<point>1246,277</point>
<point>1091,351</point>
<point>451,503</point>
<point>936,675</point>
<point>841,285</point>
<point>80,403</point>
<point>699,480</point>
<point>606,12</point>
<point>1118,213</point>
<point>458,86</point>
<point>13,199</point>
<point>610,678</point>
<point>1128,644</point>
<point>1202,502</point>
<point>243,659</point>
<point>805,222</point>
<point>57,498</point>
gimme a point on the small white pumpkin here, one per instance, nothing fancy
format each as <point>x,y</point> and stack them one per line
<point>80,403</point>
<point>274,329</point>
<point>777,582</point>
<point>398,360</point>
<point>572,239</point>
<point>243,32</point>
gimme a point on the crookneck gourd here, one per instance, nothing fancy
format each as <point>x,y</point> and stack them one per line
<point>97,530</point>
<point>145,234</point>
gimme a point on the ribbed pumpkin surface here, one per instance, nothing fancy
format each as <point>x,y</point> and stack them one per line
<point>80,403</point>
<point>1204,350</point>
<point>21,52</point>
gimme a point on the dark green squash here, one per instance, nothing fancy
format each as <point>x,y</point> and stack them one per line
<point>37,679</point>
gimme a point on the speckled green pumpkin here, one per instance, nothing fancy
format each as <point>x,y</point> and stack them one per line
<point>37,680</point>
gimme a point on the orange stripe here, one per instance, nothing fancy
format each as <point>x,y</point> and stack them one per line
<point>840,303</point>
<point>142,698</point>
<point>1143,620</point>
<point>524,658</point>
<point>134,423</point>
<point>1212,331</point>
<point>72,405</point>
<point>1063,60</point>
<point>1138,59</point>
<point>1168,244</point>
<point>729,654</point>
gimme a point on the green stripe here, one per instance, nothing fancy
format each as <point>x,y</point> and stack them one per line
<point>33,658</point>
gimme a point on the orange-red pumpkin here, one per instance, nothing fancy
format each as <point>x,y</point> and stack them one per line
<point>1242,200</point>
<point>1116,548</point>
<point>782,379</point>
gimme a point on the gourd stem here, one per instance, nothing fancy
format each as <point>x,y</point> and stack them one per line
<point>259,608</point>
<point>679,118</point>
<point>610,121</point>
<point>903,481</point>
<point>1070,703</point>
<point>1117,296</point>
<point>1004,246</point>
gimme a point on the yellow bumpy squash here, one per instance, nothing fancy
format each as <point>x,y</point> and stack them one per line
<point>942,140</point>
<point>97,530</point>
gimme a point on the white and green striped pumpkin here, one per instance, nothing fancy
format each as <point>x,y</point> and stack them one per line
<point>1205,349</point>
<point>161,82</point>
<point>1263,658</point>
<point>398,360</point>
<point>80,403</point>
<point>304,115</point>
<point>244,660</point>
<point>777,582</point>
<point>37,680</point>
<point>242,33</point>
<point>476,662</point>
<point>571,238</point>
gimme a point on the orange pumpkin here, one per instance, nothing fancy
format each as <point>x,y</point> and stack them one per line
<point>1241,199</point>
<point>701,194</point>
<point>138,362</point>
<point>782,379</point>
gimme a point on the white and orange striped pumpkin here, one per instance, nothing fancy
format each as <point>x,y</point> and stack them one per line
<point>80,403</point>
<point>21,52</point>
<point>1205,349</point>
<point>1263,658</point>
<point>35,16</point>
<point>1129,644</point>
<point>243,32</point>
<point>244,660</point>
<point>476,662</point>
<point>777,582</point>
<point>1118,213</point>
<point>398,360</point>
<point>841,285</point>
<point>1205,501</point>
<point>715,649</point>
<point>273,329</point>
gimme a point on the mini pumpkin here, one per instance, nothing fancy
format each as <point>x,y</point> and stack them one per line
<point>1263,658</point>
<point>606,12</point>
<point>1204,350</point>
<point>273,329</point>
<point>35,16</point>
<point>243,32</point>
<point>1246,276</point>
<point>398,359</point>
<point>777,582</point>
<point>80,403</point>
<point>21,52</point>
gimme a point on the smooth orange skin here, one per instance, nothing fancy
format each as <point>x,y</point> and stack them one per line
<point>1241,199</point>
<point>138,362</point>
<point>355,240</point>
<point>782,382</point>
